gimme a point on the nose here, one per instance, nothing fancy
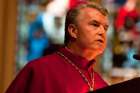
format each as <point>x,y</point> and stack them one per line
<point>101,29</point>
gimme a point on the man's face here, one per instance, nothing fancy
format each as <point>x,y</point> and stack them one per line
<point>91,29</point>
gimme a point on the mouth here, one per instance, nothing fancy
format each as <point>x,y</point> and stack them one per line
<point>101,41</point>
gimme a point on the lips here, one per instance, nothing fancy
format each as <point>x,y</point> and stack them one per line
<point>100,40</point>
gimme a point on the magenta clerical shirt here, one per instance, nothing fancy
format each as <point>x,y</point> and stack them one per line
<point>53,74</point>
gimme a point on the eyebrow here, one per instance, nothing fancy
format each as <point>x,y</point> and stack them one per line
<point>97,22</point>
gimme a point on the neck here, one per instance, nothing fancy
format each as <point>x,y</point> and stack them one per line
<point>86,53</point>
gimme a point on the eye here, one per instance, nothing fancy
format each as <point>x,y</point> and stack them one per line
<point>96,24</point>
<point>106,27</point>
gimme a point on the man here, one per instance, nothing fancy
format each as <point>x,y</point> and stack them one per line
<point>70,69</point>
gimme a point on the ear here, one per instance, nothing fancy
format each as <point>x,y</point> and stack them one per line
<point>72,30</point>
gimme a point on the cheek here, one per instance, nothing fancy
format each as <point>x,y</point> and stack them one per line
<point>86,35</point>
<point>87,41</point>
<point>91,37</point>
<point>83,40</point>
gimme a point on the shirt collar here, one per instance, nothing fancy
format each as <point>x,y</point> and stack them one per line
<point>79,61</point>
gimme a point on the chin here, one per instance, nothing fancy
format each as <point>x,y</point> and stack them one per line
<point>99,50</point>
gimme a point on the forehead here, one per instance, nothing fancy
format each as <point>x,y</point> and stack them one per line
<point>92,14</point>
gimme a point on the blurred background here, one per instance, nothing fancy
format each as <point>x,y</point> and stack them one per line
<point>30,29</point>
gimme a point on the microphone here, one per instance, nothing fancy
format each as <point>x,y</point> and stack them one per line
<point>136,56</point>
